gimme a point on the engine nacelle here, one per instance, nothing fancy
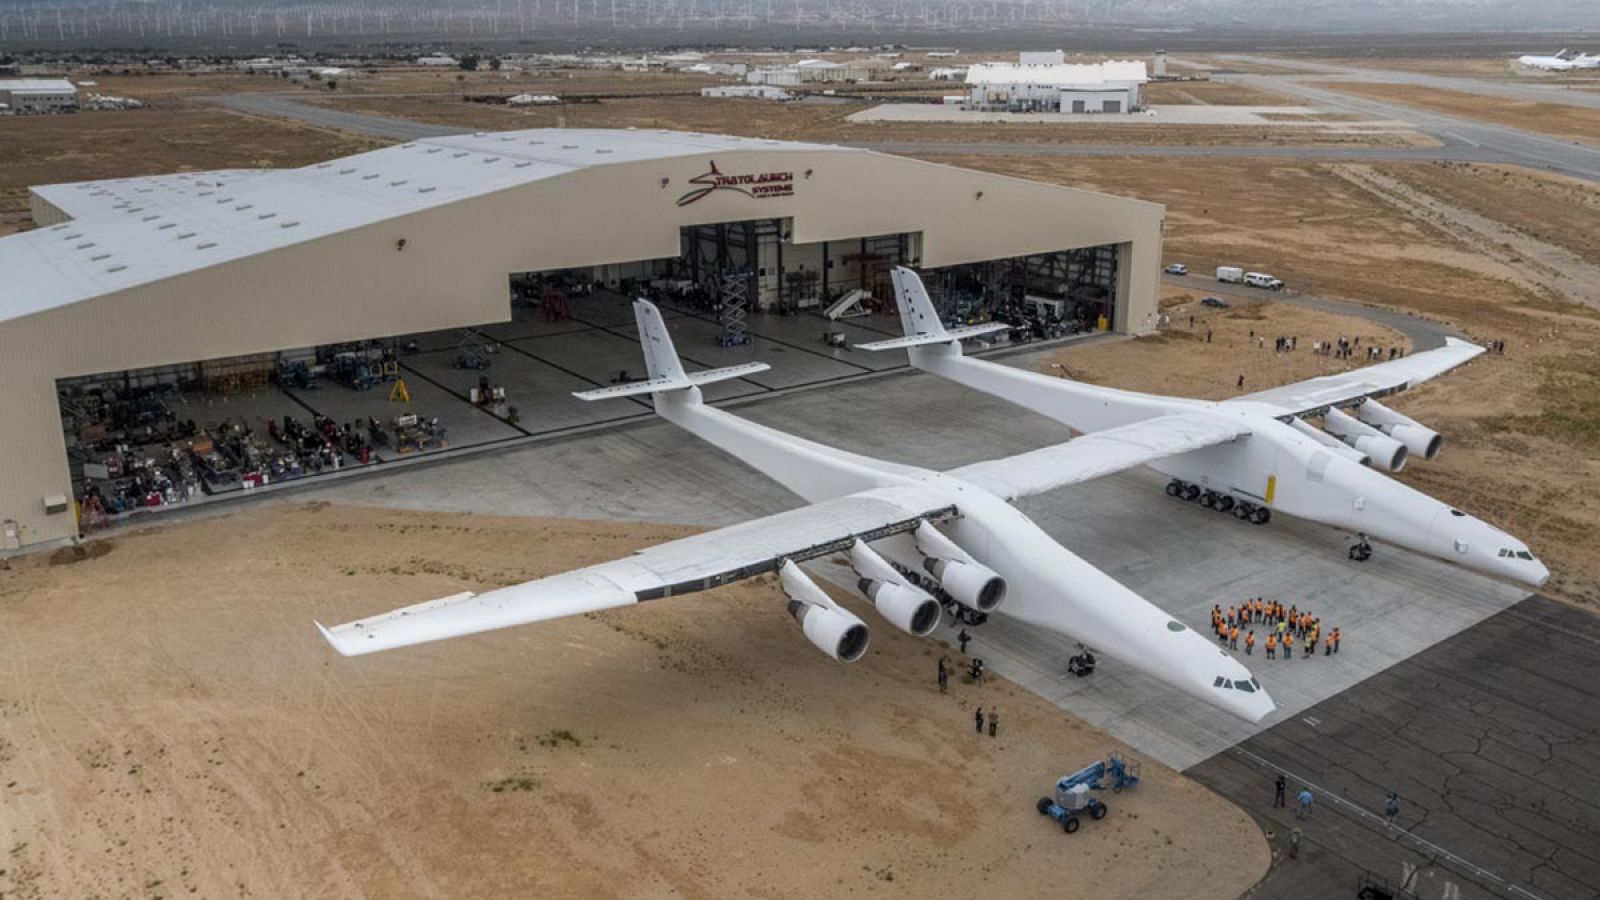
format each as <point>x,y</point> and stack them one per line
<point>970,582</point>
<point>829,628</point>
<point>1334,445</point>
<point>1386,452</point>
<point>908,608</point>
<point>1418,438</point>
<point>905,606</point>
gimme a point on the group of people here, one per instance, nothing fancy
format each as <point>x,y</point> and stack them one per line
<point>1305,800</point>
<point>975,675</point>
<point>1284,628</point>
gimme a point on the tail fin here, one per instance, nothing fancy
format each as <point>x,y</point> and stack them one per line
<point>662,363</point>
<point>920,320</point>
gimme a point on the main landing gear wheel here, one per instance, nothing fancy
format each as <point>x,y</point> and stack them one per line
<point>1224,503</point>
<point>1174,488</point>
<point>1261,516</point>
<point>1191,492</point>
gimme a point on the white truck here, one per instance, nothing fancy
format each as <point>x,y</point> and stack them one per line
<point>1262,280</point>
<point>1230,274</point>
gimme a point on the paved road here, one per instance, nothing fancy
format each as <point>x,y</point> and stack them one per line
<point>1492,739</point>
<point>1530,90</point>
<point>289,107</point>
<point>1424,334</point>
<point>1461,140</point>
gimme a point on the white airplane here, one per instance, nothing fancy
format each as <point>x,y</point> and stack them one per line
<point>1562,61</point>
<point>1281,464</point>
<point>917,539</point>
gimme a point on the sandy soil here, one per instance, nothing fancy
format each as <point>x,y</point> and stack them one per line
<point>1548,208</point>
<point>1221,93</point>
<point>51,149</point>
<point>1181,362</point>
<point>1576,122</point>
<point>171,724</point>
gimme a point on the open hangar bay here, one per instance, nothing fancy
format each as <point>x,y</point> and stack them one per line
<point>160,333</point>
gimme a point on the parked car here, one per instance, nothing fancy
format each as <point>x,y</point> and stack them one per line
<point>1176,269</point>
<point>1262,280</point>
<point>1215,303</point>
<point>1230,274</point>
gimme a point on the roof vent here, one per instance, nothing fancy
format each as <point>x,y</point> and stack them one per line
<point>289,224</point>
<point>206,246</point>
<point>509,137</point>
<point>267,215</point>
<point>185,235</point>
<point>569,146</point>
<point>425,190</point>
<point>116,268</point>
<point>150,218</point>
<point>73,236</point>
<point>207,193</point>
<point>535,143</point>
<point>85,245</point>
<point>369,177</point>
<point>524,164</point>
<point>346,171</point>
<point>397,182</point>
<point>165,225</point>
<point>323,165</point>
<point>458,154</point>
<point>244,206</point>
<point>602,150</point>
<point>490,159</point>
<point>99,256</point>
<point>433,150</point>
<point>58,227</point>
<point>410,145</point>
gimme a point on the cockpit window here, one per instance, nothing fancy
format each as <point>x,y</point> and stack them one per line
<point>1523,554</point>
<point>1457,512</point>
<point>1244,686</point>
<point>1219,682</point>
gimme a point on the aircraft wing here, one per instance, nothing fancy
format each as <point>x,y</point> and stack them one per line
<point>684,566</point>
<point>1318,394</point>
<point>1100,453</point>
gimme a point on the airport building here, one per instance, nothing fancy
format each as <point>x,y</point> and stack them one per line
<point>1044,82</point>
<point>37,95</point>
<point>168,336</point>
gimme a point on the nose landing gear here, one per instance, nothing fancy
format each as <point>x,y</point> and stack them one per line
<point>1360,551</point>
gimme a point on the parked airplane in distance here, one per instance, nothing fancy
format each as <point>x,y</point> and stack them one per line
<point>918,540</point>
<point>1281,464</point>
<point>1563,60</point>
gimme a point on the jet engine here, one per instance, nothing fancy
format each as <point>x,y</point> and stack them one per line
<point>970,582</point>
<point>1386,452</point>
<point>1334,446</point>
<point>1418,438</point>
<point>907,607</point>
<point>829,628</point>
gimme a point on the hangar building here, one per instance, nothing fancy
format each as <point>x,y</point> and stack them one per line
<point>213,290</point>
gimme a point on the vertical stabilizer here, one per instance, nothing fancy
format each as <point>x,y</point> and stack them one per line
<point>917,315</point>
<point>660,357</point>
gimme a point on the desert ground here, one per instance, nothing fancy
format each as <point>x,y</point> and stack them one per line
<point>171,724</point>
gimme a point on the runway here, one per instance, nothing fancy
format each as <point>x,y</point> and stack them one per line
<point>1492,740</point>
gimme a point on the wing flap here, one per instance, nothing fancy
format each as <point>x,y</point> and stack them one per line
<point>657,385</point>
<point>696,563</point>
<point>1100,453</point>
<point>1316,395</point>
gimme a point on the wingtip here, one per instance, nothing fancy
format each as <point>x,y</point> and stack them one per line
<point>328,636</point>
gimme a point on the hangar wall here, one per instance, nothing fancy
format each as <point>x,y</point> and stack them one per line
<point>453,272</point>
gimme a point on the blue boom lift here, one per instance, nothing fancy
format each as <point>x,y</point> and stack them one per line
<point>1073,799</point>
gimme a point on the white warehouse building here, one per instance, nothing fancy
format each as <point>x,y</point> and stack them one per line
<point>1042,82</point>
<point>38,95</point>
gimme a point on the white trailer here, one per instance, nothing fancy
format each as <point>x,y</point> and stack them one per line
<point>1230,274</point>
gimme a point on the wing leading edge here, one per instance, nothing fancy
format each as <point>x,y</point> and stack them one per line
<point>1100,453</point>
<point>1316,395</point>
<point>684,566</point>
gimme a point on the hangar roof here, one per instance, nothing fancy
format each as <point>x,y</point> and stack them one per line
<point>1115,72</point>
<point>132,231</point>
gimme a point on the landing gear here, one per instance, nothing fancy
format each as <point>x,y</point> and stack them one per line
<point>1083,664</point>
<point>1243,510</point>
<point>1360,551</point>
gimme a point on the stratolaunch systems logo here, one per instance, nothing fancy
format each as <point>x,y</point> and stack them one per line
<point>760,186</point>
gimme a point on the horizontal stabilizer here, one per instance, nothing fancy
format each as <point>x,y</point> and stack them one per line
<point>659,385</point>
<point>941,337</point>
